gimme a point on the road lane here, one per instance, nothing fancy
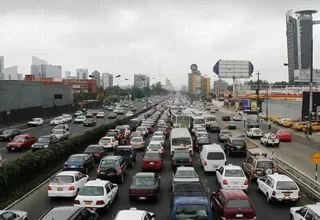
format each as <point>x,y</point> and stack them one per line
<point>38,202</point>
<point>75,129</point>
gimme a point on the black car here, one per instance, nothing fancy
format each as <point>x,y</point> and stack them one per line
<point>79,162</point>
<point>96,151</point>
<point>231,125</point>
<point>200,142</point>
<point>225,118</point>
<point>90,122</point>
<point>235,146</point>
<point>145,186</point>
<point>128,154</point>
<point>181,158</point>
<point>70,213</point>
<point>44,142</point>
<point>252,124</point>
<point>134,123</point>
<point>9,134</point>
<point>213,128</point>
<point>112,168</point>
<point>112,115</point>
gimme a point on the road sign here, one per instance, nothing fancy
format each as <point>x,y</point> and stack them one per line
<point>226,92</point>
<point>315,158</point>
<point>244,116</point>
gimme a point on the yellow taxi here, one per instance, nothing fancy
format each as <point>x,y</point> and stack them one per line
<point>289,123</point>
<point>315,126</point>
<point>299,125</point>
<point>275,118</point>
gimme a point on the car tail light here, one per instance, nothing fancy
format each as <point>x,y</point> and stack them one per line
<point>225,182</point>
<point>147,149</point>
<point>205,163</point>
<point>162,143</point>
<point>299,193</point>
<point>65,167</point>
<point>97,155</point>
<point>49,188</point>
<point>190,160</point>
<point>230,135</point>
<point>142,143</point>
<point>120,170</point>
<point>160,162</point>
<point>130,143</point>
<point>100,202</point>
<point>273,193</point>
<point>275,170</point>
<point>77,202</point>
<point>98,170</point>
<point>173,161</point>
<point>162,150</point>
<point>246,182</point>
<point>144,162</point>
<point>254,171</point>
<point>81,167</point>
<point>71,188</point>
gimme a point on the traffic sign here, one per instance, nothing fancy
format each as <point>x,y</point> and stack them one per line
<point>315,158</point>
<point>226,92</point>
<point>244,117</point>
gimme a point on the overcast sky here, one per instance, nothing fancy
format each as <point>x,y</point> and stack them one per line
<point>159,38</point>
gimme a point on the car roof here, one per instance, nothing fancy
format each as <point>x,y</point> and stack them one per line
<point>132,214</point>
<point>279,177</point>
<point>145,174</point>
<point>112,130</point>
<point>62,211</point>
<point>78,155</point>
<point>45,136</point>
<point>68,173</point>
<point>111,157</point>
<point>185,169</point>
<point>234,194</point>
<point>97,182</point>
<point>23,135</point>
<point>237,139</point>
<point>191,200</point>
<point>233,167</point>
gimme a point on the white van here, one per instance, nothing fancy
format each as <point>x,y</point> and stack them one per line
<point>212,157</point>
<point>180,139</point>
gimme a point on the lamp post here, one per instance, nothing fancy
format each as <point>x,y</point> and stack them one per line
<point>104,111</point>
<point>258,98</point>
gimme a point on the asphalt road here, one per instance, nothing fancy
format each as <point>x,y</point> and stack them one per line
<point>38,202</point>
<point>75,129</point>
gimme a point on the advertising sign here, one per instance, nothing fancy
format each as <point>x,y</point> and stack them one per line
<point>253,106</point>
<point>245,105</point>
<point>233,69</point>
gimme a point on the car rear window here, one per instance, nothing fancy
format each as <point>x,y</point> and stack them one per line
<point>152,156</point>
<point>239,203</point>
<point>239,142</point>
<point>91,191</point>
<point>123,152</point>
<point>215,156</point>
<point>108,163</point>
<point>136,139</point>
<point>63,179</point>
<point>143,181</point>
<point>234,173</point>
<point>263,164</point>
<point>225,132</point>
<point>286,185</point>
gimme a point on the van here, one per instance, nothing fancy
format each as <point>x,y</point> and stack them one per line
<point>212,157</point>
<point>180,139</point>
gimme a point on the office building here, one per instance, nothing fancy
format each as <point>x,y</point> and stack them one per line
<point>194,83</point>
<point>107,79</point>
<point>41,68</point>
<point>96,76</point>
<point>38,61</point>
<point>1,64</point>
<point>168,85</point>
<point>219,87</point>
<point>82,73</point>
<point>205,86</point>
<point>299,35</point>
<point>11,73</point>
<point>141,80</point>
<point>67,74</point>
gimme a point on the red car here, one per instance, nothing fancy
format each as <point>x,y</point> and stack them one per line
<point>20,142</point>
<point>232,204</point>
<point>152,161</point>
<point>284,135</point>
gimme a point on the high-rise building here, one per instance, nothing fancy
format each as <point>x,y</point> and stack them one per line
<point>67,74</point>
<point>219,87</point>
<point>96,76</point>
<point>205,85</point>
<point>41,68</point>
<point>107,79</point>
<point>11,73</point>
<point>194,82</point>
<point>168,85</point>
<point>299,37</point>
<point>141,80</point>
<point>82,73</point>
<point>1,64</point>
<point>38,61</point>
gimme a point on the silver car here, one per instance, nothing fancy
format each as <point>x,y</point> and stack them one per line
<point>224,135</point>
<point>61,134</point>
<point>13,214</point>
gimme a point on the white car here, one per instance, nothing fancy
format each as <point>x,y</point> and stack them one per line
<point>212,110</point>
<point>35,122</point>
<point>278,187</point>
<point>118,110</point>
<point>232,177</point>
<point>97,194</point>
<point>186,174</point>
<point>143,130</point>
<point>134,214</point>
<point>200,129</point>
<point>129,114</point>
<point>80,119</point>
<point>254,133</point>
<point>67,184</point>
<point>237,118</point>
<point>305,212</point>
<point>66,118</point>
<point>61,134</point>
<point>158,139</point>
<point>100,115</point>
<point>156,146</point>
<point>57,121</point>
<point>109,142</point>
<point>13,215</point>
<point>159,133</point>
<point>270,139</point>
<point>137,142</point>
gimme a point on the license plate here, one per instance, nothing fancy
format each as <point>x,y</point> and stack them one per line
<point>142,198</point>
<point>215,166</point>
<point>60,188</point>
<point>12,148</point>
<point>88,203</point>
<point>239,215</point>
<point>102,172</point>
<point>111,174</point>
<point>151,163</point>
<point>73,166</point>
<point>286,194</point>
<point>235,183</point>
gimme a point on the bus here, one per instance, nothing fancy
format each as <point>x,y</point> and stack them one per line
<point>180,121</point>
<point>180,139</point>
<point>197,121</point>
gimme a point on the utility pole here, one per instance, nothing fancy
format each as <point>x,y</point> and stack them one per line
<point>267,104</point>
<point>311,87</point>
<point>258,98</point>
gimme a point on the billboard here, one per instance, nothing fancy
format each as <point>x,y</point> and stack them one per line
<point>233,69</point>
<point>253,105</point>
<point>245,105</point>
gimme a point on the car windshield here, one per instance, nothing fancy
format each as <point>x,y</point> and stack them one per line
<point>89,119</point>
<point>263,164</point>
<point>93,149</point>
<point>199,121</point>
<point>136,139</point>
<point>239,204</point>
<point>76,159</point>
<point>162,129</point>
<point>112,133</point>
<point>56,118</point>
<point>238,142</point>
<point>108,163</point>
<point>186,174</point>
<point>157,138</point>
<point>59,127</point>
<point>181,155</point>
<point>203,140</point>
<point>286,185</point>
<point>233,173</point>
<point>19,139</point>
<point>63,179</point>
<point>152,156</point>
<point>7,131</point>
<point>80,117</point>
<point>123,152</point>
<point>141,129</point>
<point>143,181</point>
<point>181,141</point>
<point>43,140</point>
<point>184,212</point>
<point>105,141</point>
<point>91,191</point>
<point>154,146</point>
<point>215,156</point>
<point>57,132</point>
<point>225,132</point>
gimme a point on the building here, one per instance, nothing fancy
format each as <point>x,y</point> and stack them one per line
<point>194,83</point>
<point>96,76</point>
<point>1,64</point>
<point>78,85</point>
<point>38,61</point>
<point>41,68</point>
<point>11,73</point>
<point>141,80</point>
<point>67,74</point>
<point>184,88</point>
<point>205,86</point>
<point>107,79</point>
<point>82,73</point>
<point>219,87</point>
<point>168,85</point>
<point>299,36</point>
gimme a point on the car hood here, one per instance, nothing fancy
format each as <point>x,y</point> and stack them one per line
<point>143,187</point>
<point>15,143</point>
<point>33,122</point>
<point>74,163</point>
<point>58,135</point>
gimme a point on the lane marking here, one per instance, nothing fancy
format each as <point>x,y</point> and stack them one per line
<point>27,129</point>
<point>3,148</point>
<point>45,128</point>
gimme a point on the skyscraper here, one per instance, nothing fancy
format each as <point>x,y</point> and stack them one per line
<point>141,80</point>
<point>82,73</point>
<point>1,64</point>
<point>107,79</point>
<point>40,68</point>
<point>67,74</point>
<point>96,76</point>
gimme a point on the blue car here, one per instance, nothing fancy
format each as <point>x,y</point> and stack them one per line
<point>79,162</point>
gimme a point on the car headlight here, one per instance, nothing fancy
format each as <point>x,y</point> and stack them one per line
<point>32,146</point>
<point>45,146</point>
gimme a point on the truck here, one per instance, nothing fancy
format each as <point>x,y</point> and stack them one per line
<point>189,200</point>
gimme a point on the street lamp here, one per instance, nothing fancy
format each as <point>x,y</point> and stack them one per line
<point>258,98</point>
<point>104,111</point>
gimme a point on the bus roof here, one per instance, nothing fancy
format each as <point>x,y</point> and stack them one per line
<point>180,132</point>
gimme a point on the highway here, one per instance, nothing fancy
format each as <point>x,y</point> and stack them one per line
<point>38,202</point>
<point>75,129</point>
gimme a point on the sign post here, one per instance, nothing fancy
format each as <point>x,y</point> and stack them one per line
<point>244,119</point>
<point>316,160</point>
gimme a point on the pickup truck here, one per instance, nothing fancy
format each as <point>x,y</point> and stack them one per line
<point>189,200</point>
